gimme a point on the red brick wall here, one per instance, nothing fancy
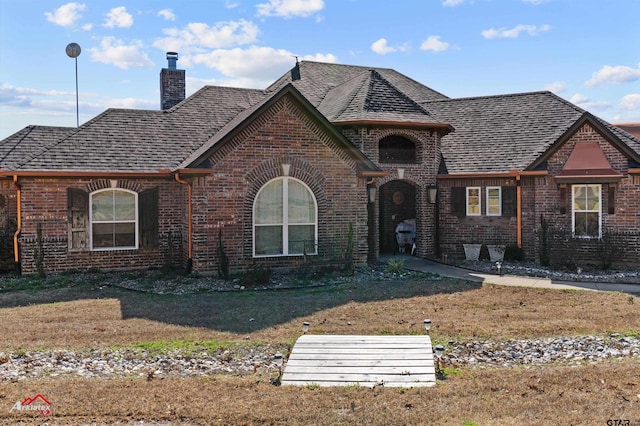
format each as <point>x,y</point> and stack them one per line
<point>224,201</point>
<point>454,231</point>
<point>545,200</point>
<point>44,204</point>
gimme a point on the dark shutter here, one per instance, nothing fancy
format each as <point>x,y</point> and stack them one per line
<point>78,216</point>
<point>459,201</point>
<point>612,199</point>
<point>148,217</point>
<point>563,200</point>
<point>509,201</point>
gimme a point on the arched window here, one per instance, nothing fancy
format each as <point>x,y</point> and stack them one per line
<point>114,219</point>
<point>397,149</point>
<point>284,219</point>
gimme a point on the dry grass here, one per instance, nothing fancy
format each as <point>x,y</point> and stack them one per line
<point>87,317</point>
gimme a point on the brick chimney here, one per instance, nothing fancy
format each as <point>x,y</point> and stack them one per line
<point>172,83</point>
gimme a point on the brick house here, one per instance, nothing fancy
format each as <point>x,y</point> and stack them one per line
<point>324,163</point>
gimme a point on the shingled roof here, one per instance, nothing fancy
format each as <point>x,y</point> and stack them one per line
<point>142,141</point>
<point>23,145</point>
<point>317,79</point>
<point>496,134</point>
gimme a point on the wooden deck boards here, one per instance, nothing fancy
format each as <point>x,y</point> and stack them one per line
<point>333,360</point>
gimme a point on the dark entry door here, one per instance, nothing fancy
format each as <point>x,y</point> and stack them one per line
<point>397,203</point>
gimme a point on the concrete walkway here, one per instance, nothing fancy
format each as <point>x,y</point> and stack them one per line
<point>423,265</point>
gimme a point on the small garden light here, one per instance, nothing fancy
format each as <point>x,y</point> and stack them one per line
<point>279,359</point>
<point>499,267</point>
<point>439,351</point>
<point>427,324</point>
<point>305,327</point>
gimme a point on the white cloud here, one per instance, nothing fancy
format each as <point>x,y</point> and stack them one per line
<point>631,102</point>
<point>451,3</point>
<point>131,103</point>
<point>617,74</point>
<point>115,52</point>
<point>87,27</point>
<point>231,4</point>
<point>196,36</point>
<point>586,103</point>
<point>253,67</point>
<point>381,48</point>
<point>167,14</point>
<point>434,44</point>
<point>67,14</point>
<point>514,32</point>
<point>556,87</point>
<point>118,17</point>
<point>290,8</point>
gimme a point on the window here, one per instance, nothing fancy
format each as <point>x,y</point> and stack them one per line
<point>494,201</point>
<point>113,216</point>
<point>397,149</point>
<point>284,219</point>
<point>473,201</point>
<point>587,210</point>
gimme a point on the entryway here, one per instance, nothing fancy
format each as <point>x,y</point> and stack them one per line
<point>397,204</point>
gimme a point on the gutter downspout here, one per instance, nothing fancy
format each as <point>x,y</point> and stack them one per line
<point>519,208</point>
<point>16,249</point>
<point>189,221</point>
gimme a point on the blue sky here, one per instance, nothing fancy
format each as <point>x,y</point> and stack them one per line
<point>586,51</point>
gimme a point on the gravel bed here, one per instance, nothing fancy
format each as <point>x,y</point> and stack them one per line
<point>243,361</point>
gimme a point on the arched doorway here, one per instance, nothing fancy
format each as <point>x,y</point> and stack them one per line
<point>397,203</point>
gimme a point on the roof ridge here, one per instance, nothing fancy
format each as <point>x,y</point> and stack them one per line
<point>401,93</point>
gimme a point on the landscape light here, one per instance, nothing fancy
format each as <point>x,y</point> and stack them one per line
<point>427,324</point>
<point>279,359</point>
<point>305,327</point>
<point>439,351</point>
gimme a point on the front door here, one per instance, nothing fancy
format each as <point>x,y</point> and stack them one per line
<point>397,204</point>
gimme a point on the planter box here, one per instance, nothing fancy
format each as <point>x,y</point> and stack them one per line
<point>472,251</point>
<point>496,252</point>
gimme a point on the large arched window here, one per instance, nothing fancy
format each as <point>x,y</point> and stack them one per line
<point>284,219</point>
<point>113,216</point>
<point>397,149</point>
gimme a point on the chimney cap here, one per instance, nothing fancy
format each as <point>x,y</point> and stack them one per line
<point>172,58</point>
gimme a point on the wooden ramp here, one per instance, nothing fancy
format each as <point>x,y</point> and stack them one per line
<point>330,360</point>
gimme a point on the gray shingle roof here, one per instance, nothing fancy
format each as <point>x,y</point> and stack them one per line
<point>370,97</point>
<point>120,140</point>
<point>318,78</point>
<point>495,134</point>
<point>23,145</point>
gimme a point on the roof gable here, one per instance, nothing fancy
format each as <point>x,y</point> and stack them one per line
<point>248,116</point>
<point>622,141</point>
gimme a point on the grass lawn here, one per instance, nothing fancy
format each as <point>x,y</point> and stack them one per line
<point>87,315</point>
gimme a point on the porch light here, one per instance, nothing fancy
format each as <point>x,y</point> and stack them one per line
<point>427,324</point>
<point>305,327</point>
<point>285,169</point>
<point>400,173</point>
<point>432,194</point>
<point>372,193</point>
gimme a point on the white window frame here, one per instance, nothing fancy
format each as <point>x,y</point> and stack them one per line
<point>135,220</point>
<point>488,197</point>
<point>469,189</point>
<point>574,210</point>
<point>285,220</point>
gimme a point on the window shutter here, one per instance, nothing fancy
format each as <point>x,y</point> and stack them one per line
<point>78,216</point>
<point>563,200</point>
<point>612,199</point>
<point>148,217</point>
<point>509,201</point>
<point>458,201</point>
